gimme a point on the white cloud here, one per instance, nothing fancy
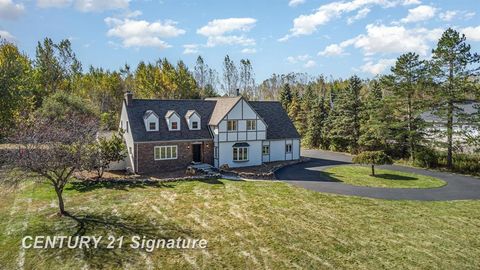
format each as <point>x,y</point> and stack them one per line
<point>191,49</point>
<point>360,15</point>
<point>472,33</point>
<point>310,64</point>
<point>294,3</point>
<point>86,5</point>
<point>221,26</point>
<point>298,58</point>
<point>10,10</point>
<point>377,68</point>
<point>53,3</point>
<point>308,24</point>
<point>394,39</point>
<point>448,15</point>
<point>411,2</point>
<point>219,32</point>
<point>332,50</point>
<point>100,5</point>
<point>140,33</point>
<point>249,51</point>
<point>420,13</point>
<point>6,35</point>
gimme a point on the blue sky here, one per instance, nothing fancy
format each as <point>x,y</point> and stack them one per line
<point>337,38</point>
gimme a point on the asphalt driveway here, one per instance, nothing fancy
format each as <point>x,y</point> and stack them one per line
<point>307,175</point>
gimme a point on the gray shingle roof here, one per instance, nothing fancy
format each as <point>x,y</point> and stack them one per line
<point>210,111</point>
<point>139,106</point>
<point>279,124</point>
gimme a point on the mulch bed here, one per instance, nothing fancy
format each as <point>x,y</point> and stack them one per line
<point>265,171</point>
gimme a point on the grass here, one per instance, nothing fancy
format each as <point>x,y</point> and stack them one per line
<point>248,225</point>
<point>360,176</point>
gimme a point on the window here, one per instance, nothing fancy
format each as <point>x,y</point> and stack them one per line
<point>152,126</point>
<point>127,126</point>
<point>240,154</point>
<point>265,149</point>
<point>215,152</point>
<point>174,126</point>
<point>232,125</point>
<point>251,125</point>
<point>165,152</point>
<point>288,148</point>
<point>121,124</point>
<point>194,125</point>
<point>130,150</point>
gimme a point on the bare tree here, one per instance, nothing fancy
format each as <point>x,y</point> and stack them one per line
<point>247,81</point>
<point>230,77</point>
<point>52,150</point>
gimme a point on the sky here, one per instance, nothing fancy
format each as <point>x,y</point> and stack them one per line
<point>333,38</point>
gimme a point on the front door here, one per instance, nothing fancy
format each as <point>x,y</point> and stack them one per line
<point>197,152</point>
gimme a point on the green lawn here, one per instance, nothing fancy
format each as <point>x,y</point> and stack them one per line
<point>360,176</point>
<point>249,225</point>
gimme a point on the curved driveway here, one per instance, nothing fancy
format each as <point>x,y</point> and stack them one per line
<point>307,175</point>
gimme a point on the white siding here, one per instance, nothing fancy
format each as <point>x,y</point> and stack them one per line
<point>194,118</point>
<point>129,160</point>
<point>226,154</point>
<point>152,118</point>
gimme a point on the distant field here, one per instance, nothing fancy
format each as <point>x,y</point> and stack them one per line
<point>252,225</point>
<point>360,176</point>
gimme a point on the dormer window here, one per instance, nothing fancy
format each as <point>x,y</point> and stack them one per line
<point>193,119</point>
<point>174,126</point>
<point>173,120</point>
<point>152,126</point>
<point>150,119</point>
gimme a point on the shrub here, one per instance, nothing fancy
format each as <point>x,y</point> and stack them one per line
<point>462,163</point>
<point>425,157</point>
<point>372,158</point>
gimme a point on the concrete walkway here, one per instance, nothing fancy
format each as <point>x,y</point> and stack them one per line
<point>307,175</point>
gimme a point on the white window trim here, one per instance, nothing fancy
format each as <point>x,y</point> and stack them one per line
<point>240,149</point>
<point>215,152</point>
<point>236,125</point>
<point>268,149</point>
<point>252,128</point>
<point>160,152</point>
<point>198,125</point>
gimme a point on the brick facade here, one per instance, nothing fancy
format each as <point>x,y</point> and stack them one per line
<point>146,162</point>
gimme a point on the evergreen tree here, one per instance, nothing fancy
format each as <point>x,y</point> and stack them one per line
<point>286,96</point>
<point>315,124</point>
<point>343,123</point>
<point>455,70</point>
<point>376,114</point>
<point>407,84</point>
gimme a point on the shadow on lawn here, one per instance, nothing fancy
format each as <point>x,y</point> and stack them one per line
<point>125,226</point>
<point>388,176</point>
<point>89,185</point>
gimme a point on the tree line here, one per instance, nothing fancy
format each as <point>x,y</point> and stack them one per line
<point>385,113</point>
<point>26,83</point>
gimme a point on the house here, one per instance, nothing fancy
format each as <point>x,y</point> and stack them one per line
<point>164,135</point>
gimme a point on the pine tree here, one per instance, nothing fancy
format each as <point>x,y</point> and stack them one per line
<point>343,122</point>
<point>376,114</point>
<point>286,96</point>
<point>455,70</point>
<point>407,83</point>
<point>315,123</point>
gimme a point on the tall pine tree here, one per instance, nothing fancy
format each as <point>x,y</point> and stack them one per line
<point>455,70</point>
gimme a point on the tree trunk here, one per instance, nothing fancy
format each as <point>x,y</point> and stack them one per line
<point>450,134</point>
<point>373,170</point>
<point>410,129</point>
<point>60,201</point>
